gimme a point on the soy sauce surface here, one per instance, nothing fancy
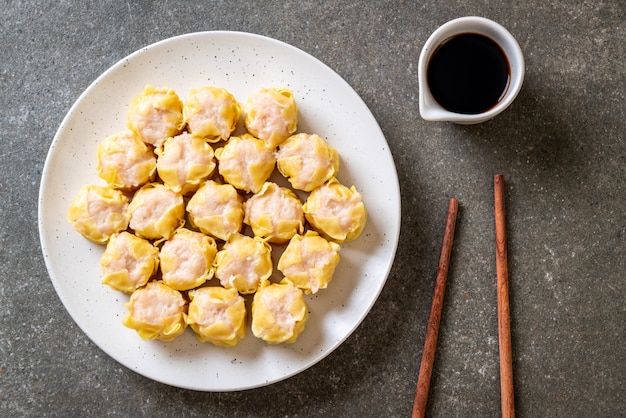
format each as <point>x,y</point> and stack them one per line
<point>468,74</point>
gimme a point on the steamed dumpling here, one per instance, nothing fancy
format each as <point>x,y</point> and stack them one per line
<point>245,162</point>
<point>98,212</point>
<point>307,161</point>
<point>187,259</point>
<point>279,313</point>
<point>156,212</point>
<point>274,213</point>
<point>211,113</point>
<point>125,162</point>
<point>217,315</point>
<point>216,209</point>
<point>336,211</point>
<point>184,162</point>
<point>309,261</point>
<point>128,262</point>
<point>156,311</point>
<point>244,263</point>
<point>271,115</point>
<point>155,115</point>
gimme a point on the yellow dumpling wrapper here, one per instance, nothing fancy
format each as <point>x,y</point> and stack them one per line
<point>184,162</point>
<point>156,311</point>
<point>279,313</point>
<point>211,113</point>
<point>307,161</point>
<point>156,212</point>
<point>128,262</point>
<point>98,212</point>
<point>274,213</point>
<point>309,262</point>
<point>216,209</point>
<point>245,162</point>
<point>335,211</point>
<point>155,115</point>
<point>244,263</point>
<point>125,162</point>
<point>217,315</point>
<point>271,115</point>
<point>187,259</point>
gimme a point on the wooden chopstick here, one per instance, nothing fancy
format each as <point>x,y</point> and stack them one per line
<point>504,317</point>
<point>432,330</point>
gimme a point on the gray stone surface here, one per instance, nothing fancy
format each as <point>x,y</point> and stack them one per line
<point>561,147</point>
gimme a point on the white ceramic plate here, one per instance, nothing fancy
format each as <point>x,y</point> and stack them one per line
<point>241,63</point>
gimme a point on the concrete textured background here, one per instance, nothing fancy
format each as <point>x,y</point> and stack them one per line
<point>561,147</point>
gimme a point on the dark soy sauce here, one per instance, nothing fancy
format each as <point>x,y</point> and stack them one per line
<point>469,73</point>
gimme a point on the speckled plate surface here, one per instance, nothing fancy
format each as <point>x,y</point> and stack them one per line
<point>241,63</point>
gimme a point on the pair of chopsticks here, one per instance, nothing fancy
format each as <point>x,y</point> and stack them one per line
<point>504,319</point>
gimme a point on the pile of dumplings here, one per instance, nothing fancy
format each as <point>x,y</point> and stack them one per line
<point>189,216</point>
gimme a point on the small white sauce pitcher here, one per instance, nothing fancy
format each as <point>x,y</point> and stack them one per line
<point>430,109</point>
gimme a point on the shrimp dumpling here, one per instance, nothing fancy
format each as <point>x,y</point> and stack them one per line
<point>156,212</point>
<point>128,262</point>
<point>184,161</point>
<point>211,113</point>
<point>336,211</point>
<point>279,313</point>
<point>244,263</point>
<point>216,209</point>
<point>274,213</point>
<point>125,162</point>
<point>217,315</point>
<point>309,261</point>
<point>98,212</point>
<point>156,311</point>
<point>245,162</point>
<point>187,259</point>
<point>271,115</point>
<point>307,161</point>
<point>155,115</point>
